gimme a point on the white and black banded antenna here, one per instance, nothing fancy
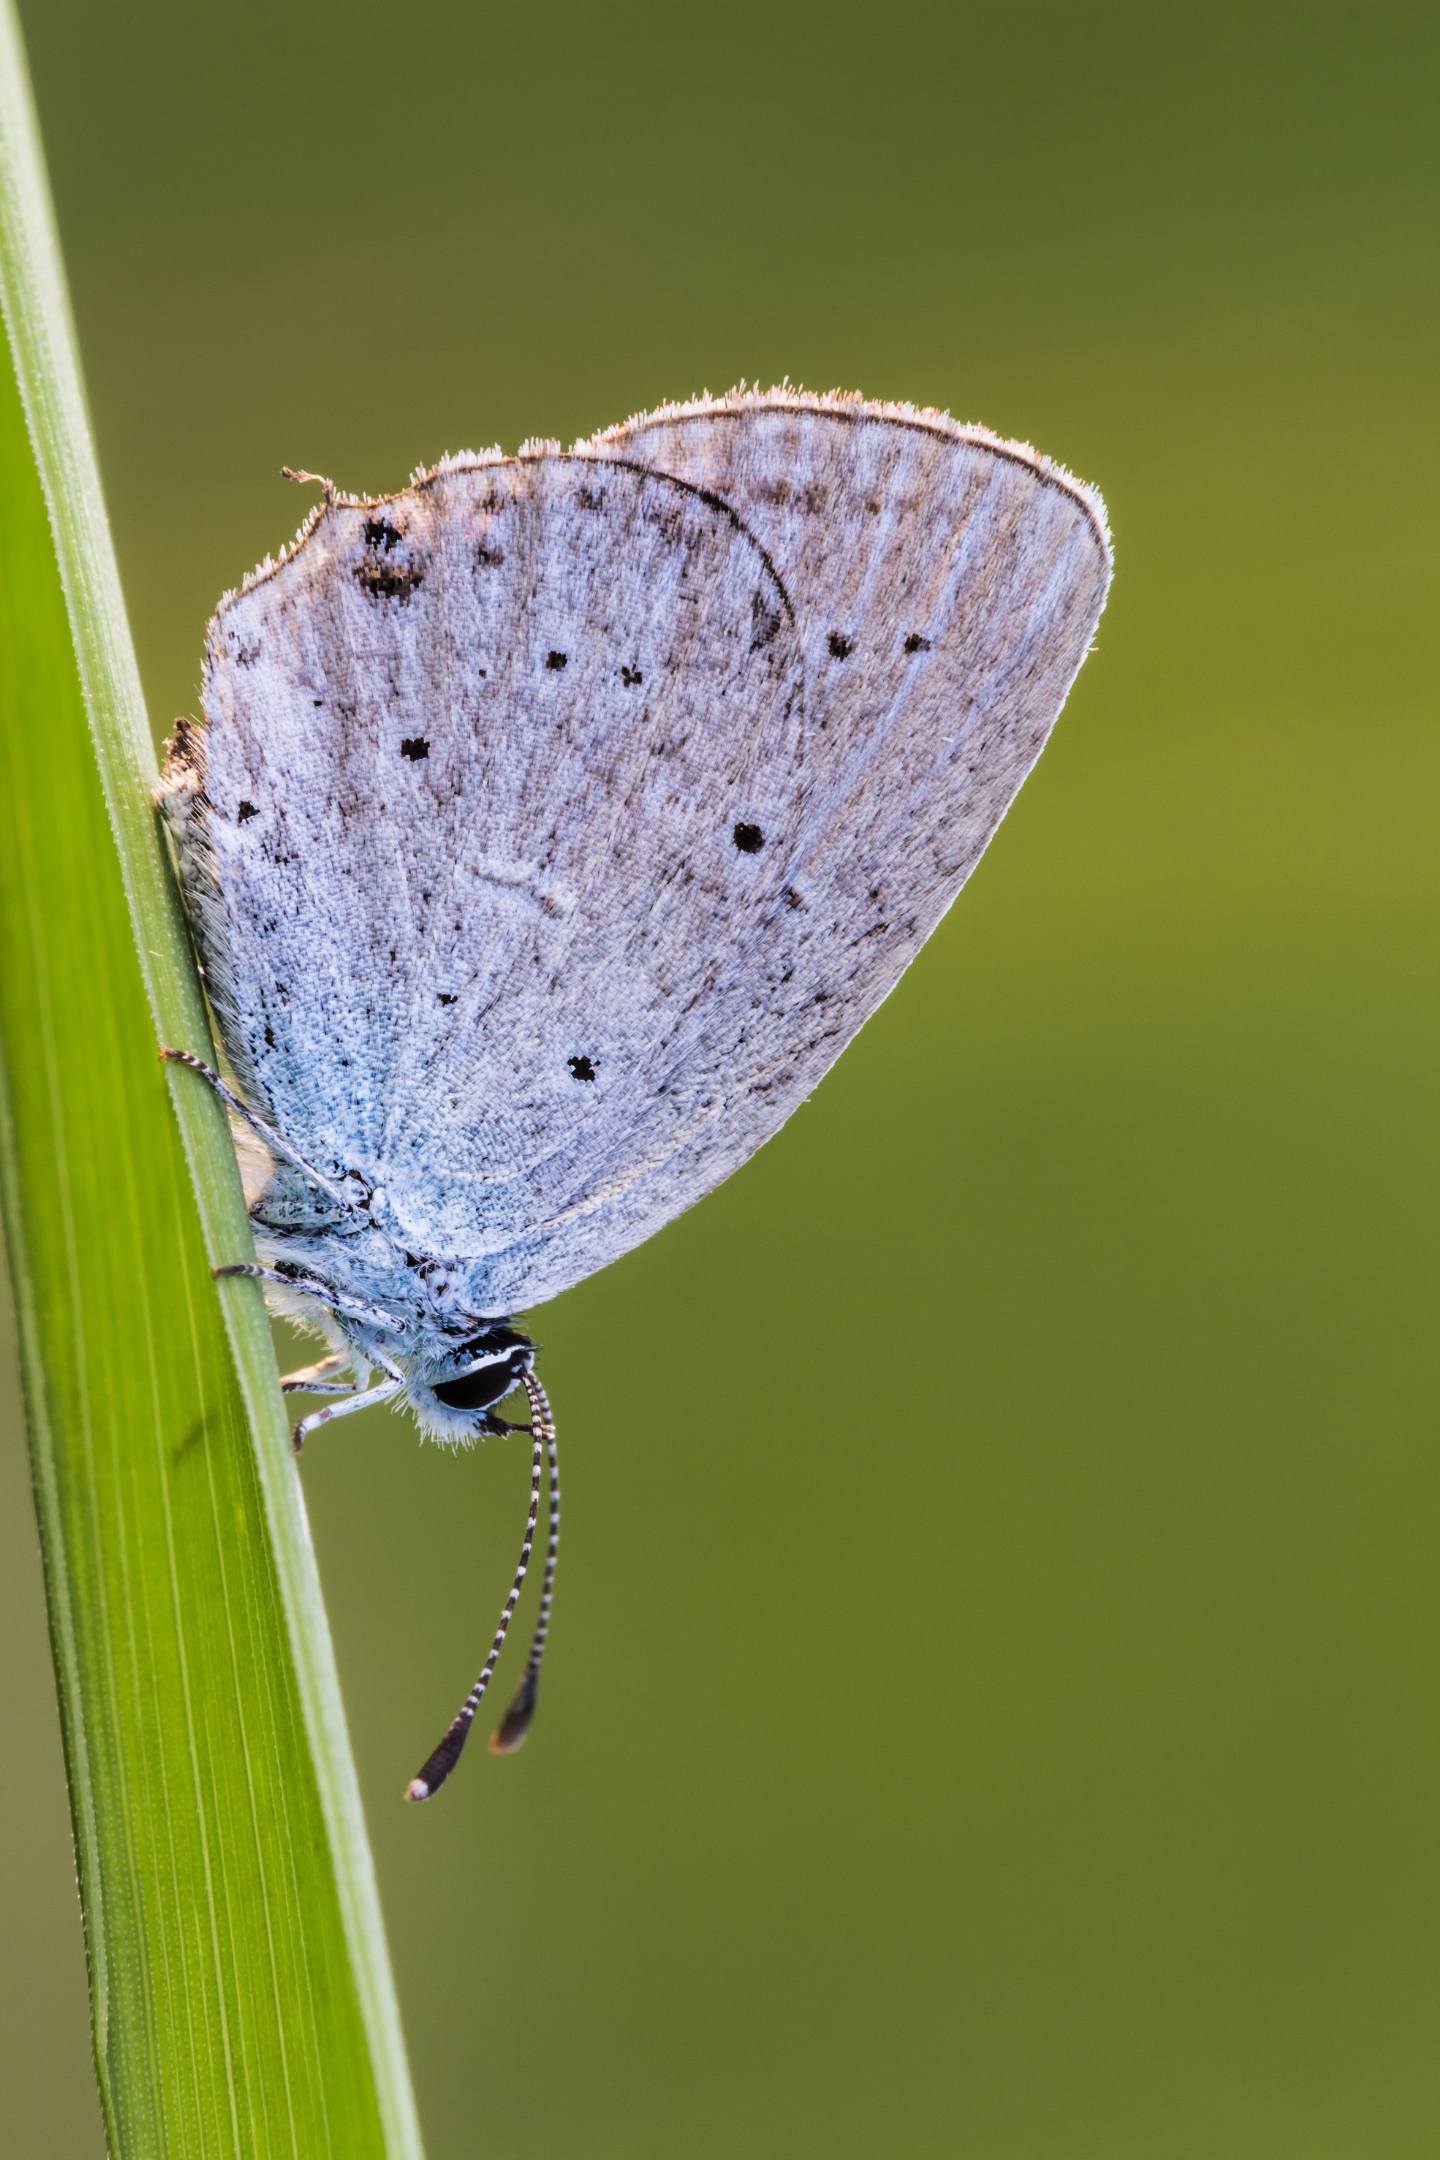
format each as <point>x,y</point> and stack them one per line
<point>517,1720</point>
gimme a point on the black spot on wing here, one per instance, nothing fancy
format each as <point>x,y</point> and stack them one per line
<point>748,838</point>
<point>415,747</point>
<point>555,661</point>
<point>581,1068</point>
<point>246,811</point>
<point>841,646</point>
<point>381,573</point>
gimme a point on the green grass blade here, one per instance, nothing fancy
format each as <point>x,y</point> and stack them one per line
<point>241,1991</point>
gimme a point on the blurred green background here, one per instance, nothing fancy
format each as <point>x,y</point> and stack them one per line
<point>1037,1759</point>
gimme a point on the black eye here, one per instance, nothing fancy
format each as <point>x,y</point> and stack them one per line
<point>488,1384</point>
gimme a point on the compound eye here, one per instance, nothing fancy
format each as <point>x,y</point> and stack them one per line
<point>478,1390</point>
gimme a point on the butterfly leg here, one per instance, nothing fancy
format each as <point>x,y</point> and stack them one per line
<point>361,1400</point>
<point>317,1379</point>
<point>257,1125</point>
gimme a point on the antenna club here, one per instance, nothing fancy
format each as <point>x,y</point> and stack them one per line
<point>513,1728</point>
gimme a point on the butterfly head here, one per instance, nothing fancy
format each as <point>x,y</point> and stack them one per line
<point>456,1395</point>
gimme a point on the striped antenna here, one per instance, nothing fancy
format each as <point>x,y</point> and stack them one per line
<point>442,1761</point>
<point>510,1732</point>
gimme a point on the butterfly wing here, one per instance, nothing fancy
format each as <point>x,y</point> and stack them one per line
<point>592,808</point>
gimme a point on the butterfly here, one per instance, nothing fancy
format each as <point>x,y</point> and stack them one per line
<point>552,826</point>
